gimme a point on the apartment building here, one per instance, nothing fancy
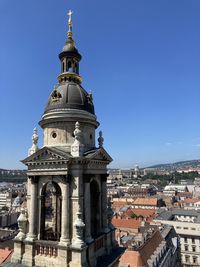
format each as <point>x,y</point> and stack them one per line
<point>5,200</point>
<point>187,225</point>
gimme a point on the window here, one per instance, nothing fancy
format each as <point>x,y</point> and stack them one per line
<point>185,239</point>
<point>187,258</point>
<point>75,67</point>
<point>185,228</point>
<point>193,241</point>
<point>194,259</point>
<point>193,248</point>
<point>69,65</point>
<point>178,227</point>
<point>54,135</point>
<point>186,248</point>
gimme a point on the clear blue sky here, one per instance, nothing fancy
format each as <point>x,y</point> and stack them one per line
<point>141,59</point>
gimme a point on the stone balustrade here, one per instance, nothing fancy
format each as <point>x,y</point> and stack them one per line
<point>47,250</point>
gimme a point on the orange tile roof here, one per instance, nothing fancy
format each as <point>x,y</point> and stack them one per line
<point>145,201</point>
<point>143,212</point>
<point>132,258</point>
<point>184,194</point>
<point>190,200</point>
<point>126,223</point>
<point>5,254</point>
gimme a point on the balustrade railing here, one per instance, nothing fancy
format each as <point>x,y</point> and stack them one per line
<point>47,250</point>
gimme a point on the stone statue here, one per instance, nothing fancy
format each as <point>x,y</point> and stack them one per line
<point>100,139</point>
<point>22,224</point>
<point>34,147</point>
<point>77,147</point>
<point>79,224</point>
<point>78,133</point>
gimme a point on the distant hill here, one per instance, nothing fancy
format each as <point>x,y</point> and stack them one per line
<point>12,175</point>
<point>178,165</point>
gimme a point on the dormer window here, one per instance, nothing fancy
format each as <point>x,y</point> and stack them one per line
<point>56,96</point>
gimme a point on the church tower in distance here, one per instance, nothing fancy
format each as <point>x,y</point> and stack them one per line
<point>68,219</point>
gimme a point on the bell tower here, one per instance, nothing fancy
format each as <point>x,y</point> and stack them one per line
<point>68,220</point>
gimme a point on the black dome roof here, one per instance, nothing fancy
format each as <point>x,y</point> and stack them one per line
<point>69,50</point>
<point>69,95</point>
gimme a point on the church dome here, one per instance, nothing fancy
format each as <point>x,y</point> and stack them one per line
<point>69,95</point>
<point>69,48</point>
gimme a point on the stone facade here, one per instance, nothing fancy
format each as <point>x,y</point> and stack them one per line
<point>66,222</point>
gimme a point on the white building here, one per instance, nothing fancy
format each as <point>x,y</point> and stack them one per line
<point>5,200</point>
<point>172,189</point>
<point>187,226</point>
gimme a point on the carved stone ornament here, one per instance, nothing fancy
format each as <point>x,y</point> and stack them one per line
<point>56,96</point>
<point>100,139</point>
<point>77,147</point>
<point>22,224</point>
<point>79,225</point>
<point>34,147</point>
<point>90,98</point>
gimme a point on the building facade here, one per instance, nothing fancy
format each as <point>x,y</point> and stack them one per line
<point>67,222</point>
<point>187,225</point>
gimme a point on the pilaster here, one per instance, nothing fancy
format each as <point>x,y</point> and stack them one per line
<point>28,256</point>
<point>79,258</point>
<point>18,251</point>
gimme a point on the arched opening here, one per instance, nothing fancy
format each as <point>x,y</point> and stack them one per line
<point>69,65</point>
<point>75,67</point>
<point>51,212</point>
<point>63,67</point>
<point>94,208</point>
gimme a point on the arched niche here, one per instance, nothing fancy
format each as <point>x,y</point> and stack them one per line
<point>95,208</point>
<point>51,206</point>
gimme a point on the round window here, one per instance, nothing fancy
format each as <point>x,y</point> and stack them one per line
<point>54,135</point>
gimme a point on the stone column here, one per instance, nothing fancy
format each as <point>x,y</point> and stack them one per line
<point>87,203</point>
<point>65,239</point>
<point>32,213</point>
<point>28,256</point>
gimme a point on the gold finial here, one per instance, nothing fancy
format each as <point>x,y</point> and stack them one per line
<point>69,33</point>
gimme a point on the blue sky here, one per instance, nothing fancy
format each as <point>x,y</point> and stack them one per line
<point>141,59</point>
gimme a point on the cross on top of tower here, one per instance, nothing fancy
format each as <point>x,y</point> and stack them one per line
<point>70,15</point>
<point>69,33</point>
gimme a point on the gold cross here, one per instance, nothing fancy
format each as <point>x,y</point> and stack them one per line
<point>70,15</point>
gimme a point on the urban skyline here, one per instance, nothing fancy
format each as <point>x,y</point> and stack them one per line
<point>145,81</point>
